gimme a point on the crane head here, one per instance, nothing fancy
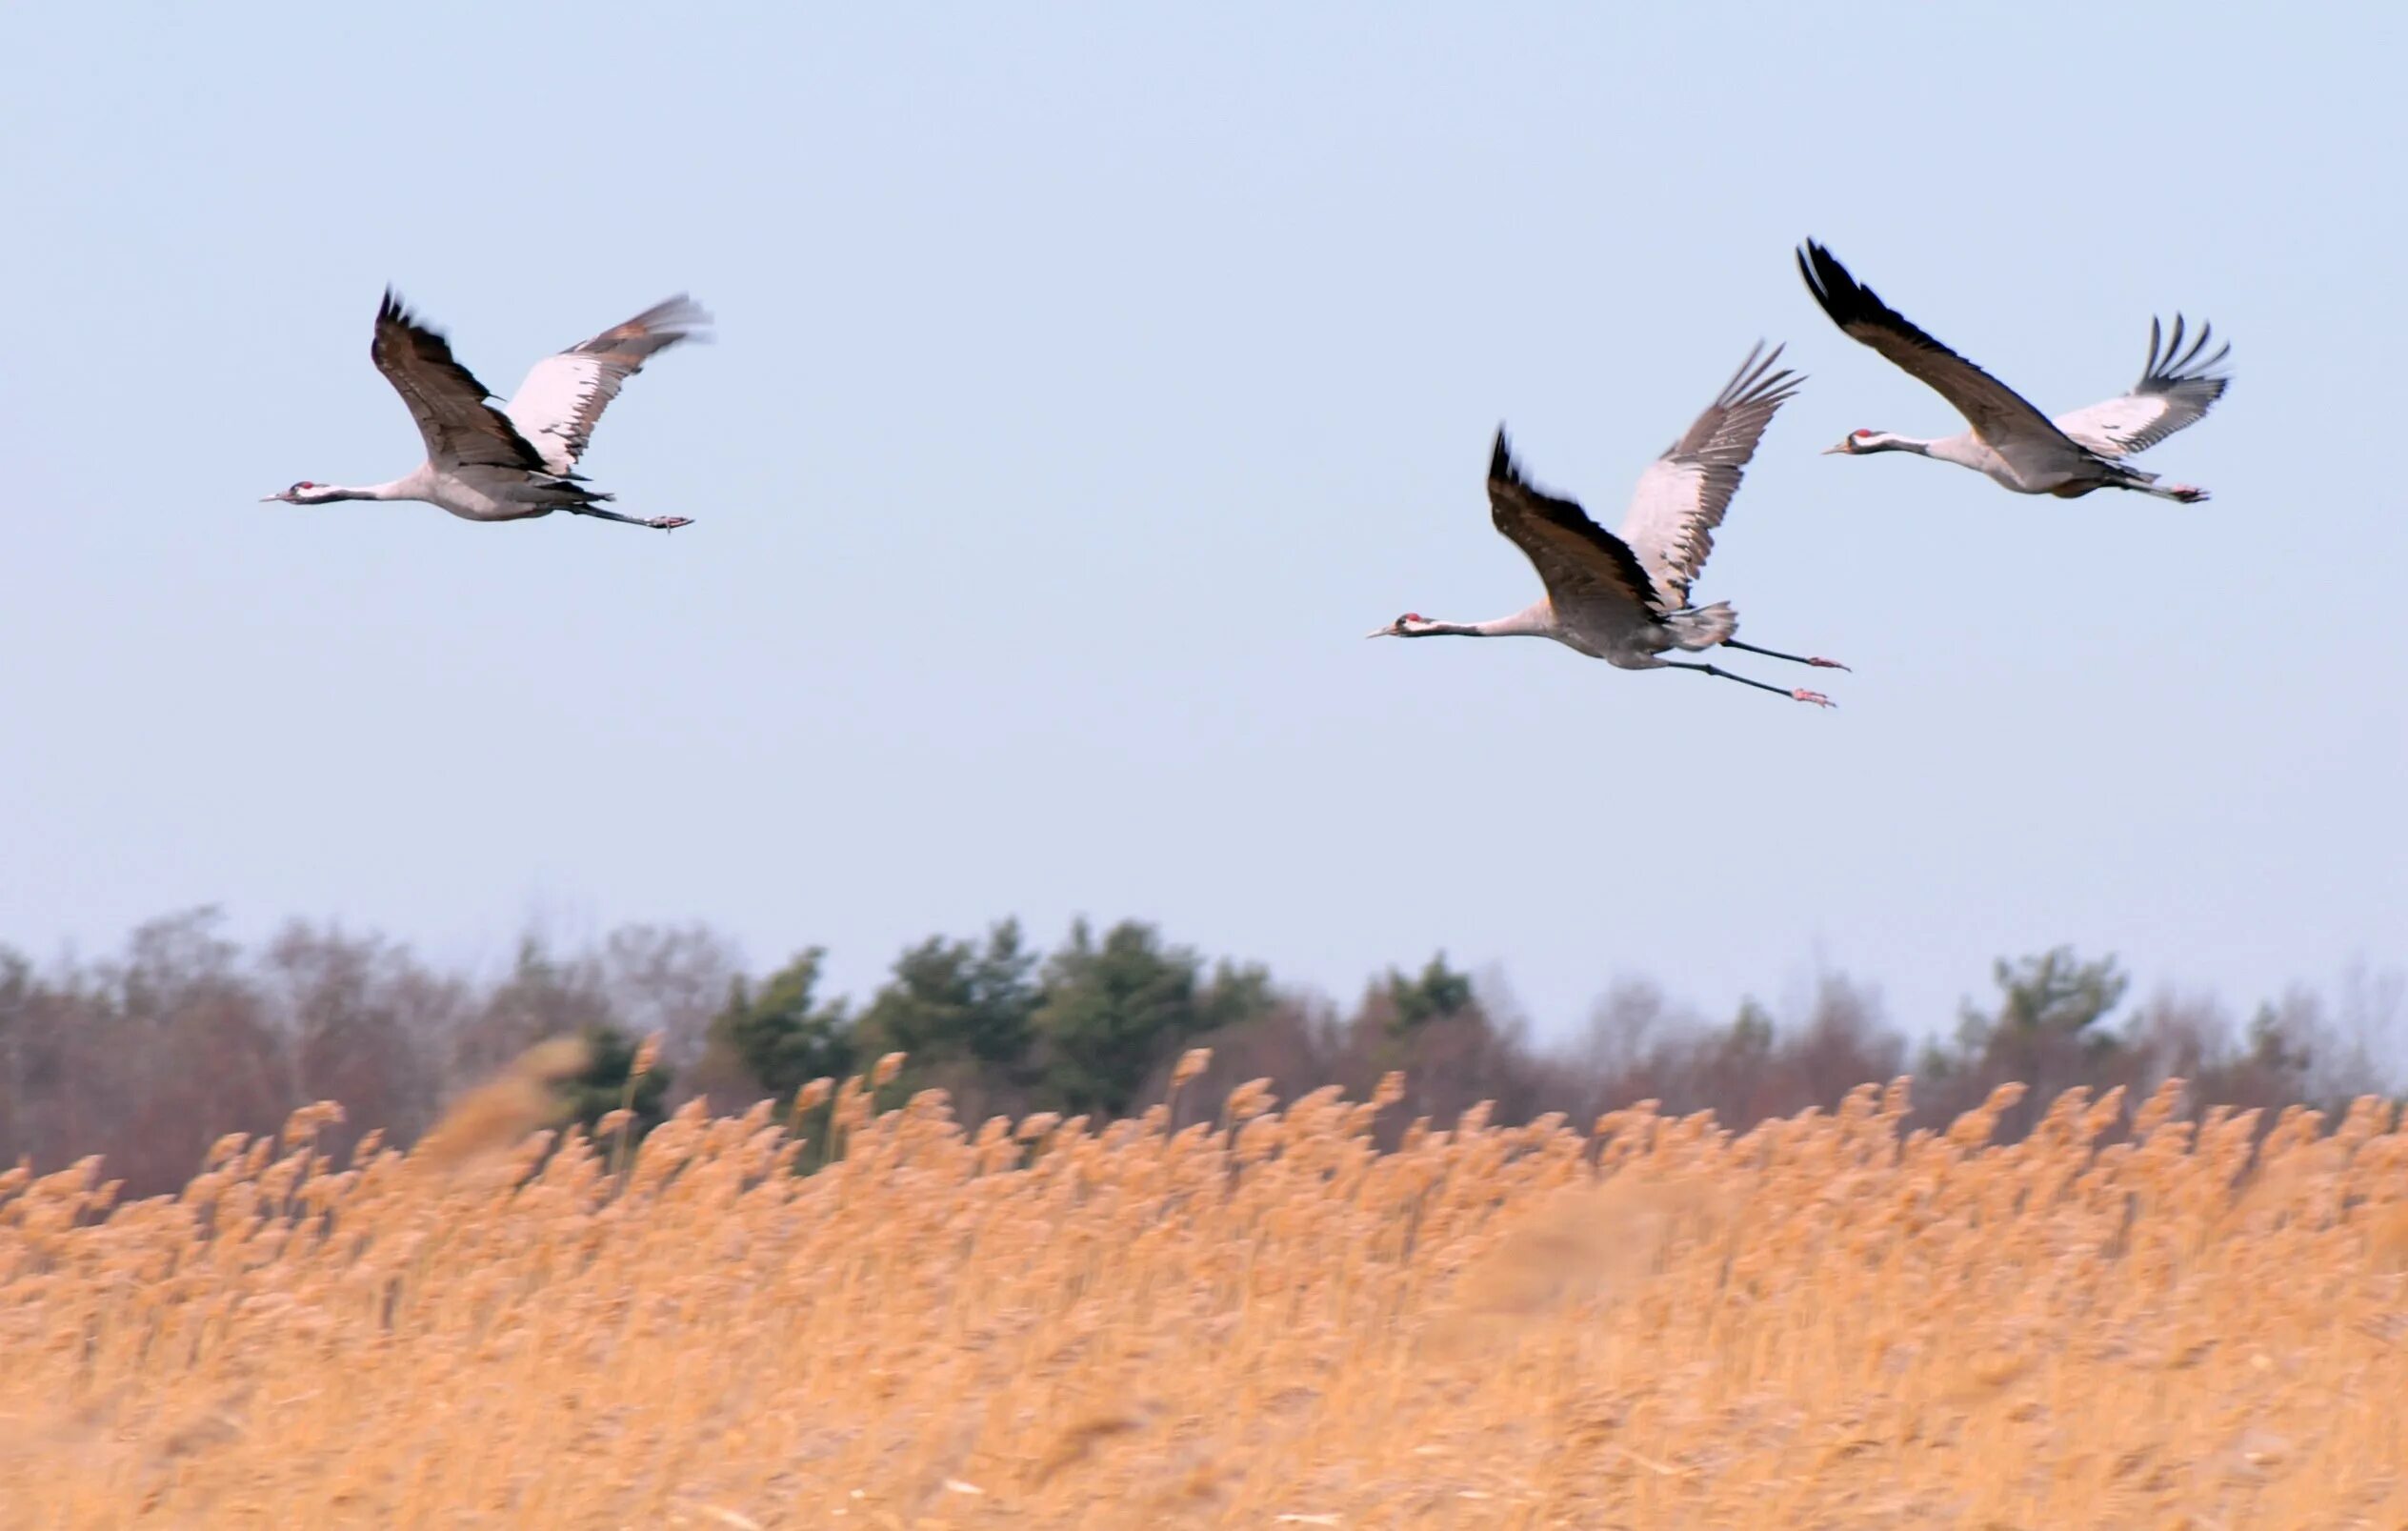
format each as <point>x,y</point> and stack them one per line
<point>1853,441</point>
<point>1396,628</point>
<point>303,493</point>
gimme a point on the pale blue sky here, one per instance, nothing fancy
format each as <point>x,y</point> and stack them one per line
<point>1090,378</point>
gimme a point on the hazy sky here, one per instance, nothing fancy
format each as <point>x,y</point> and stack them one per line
<point>1089,379</point>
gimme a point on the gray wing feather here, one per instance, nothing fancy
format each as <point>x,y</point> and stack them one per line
<point>1683,494</point>
<point>1592,575</point>
<point>444,397</point>
<point>565,395</point>
<point>2177,389</point>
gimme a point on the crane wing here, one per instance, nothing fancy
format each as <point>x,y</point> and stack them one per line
<point>1998,413</point>
<point>460,428</point>
<point>1588,571</point>
<point>2175,388</point>
<point>564,394</point>
<point>1683,494</point>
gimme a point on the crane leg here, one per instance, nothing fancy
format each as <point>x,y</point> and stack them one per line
<point>663,523</point>
<point>1775,653</point>
<point>1803,695</point>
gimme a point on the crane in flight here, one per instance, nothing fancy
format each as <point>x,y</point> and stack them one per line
<point>520,460</point>
<point>2012,441</point>
<point>1625,599</point>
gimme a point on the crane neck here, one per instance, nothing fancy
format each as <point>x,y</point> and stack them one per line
<point>1890,441</point>
<point>327,494</point>
<point>1531,622</point>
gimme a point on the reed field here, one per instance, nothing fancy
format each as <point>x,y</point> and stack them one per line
<point>1258,1320</point>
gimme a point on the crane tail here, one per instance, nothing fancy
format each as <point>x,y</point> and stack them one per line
<point>1702,627</point>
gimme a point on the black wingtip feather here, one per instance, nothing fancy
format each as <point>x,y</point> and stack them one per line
<point>1847,300</point>
<point>394,308</point>
<point>1500,462</point>
<point>2171,362</point>
<point>1756,380</point>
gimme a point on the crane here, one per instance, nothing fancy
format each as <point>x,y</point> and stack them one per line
<point>2012,441</point>
<point>507,464</point>
<point>1625,599</point>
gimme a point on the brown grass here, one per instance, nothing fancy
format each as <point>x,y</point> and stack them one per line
<point>1823,1322</point>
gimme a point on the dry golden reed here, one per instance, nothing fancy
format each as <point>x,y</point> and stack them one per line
<point>500,1113</point>
<point>1823,1322</point>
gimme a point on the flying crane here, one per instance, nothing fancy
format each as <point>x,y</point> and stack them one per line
<point>2011,441</point>
<point>509,464</point>
<point>1625,599</point>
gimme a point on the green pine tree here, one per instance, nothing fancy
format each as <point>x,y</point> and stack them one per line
<point>782,1034</point>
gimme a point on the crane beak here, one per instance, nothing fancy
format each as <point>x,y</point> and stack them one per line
<point>271,499</point>
<point>1843,448</point>
<point>1381,632</point>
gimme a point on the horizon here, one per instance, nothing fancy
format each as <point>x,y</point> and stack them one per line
<point>2362,1007</point>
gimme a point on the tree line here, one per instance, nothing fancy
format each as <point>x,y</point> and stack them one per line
<point>149,1055</point>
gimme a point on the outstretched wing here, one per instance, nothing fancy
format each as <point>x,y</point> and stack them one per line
<point>461,430</point>
<point>1590,574</point>
<point>2175,388</point>
<point>1681,496</point>
<point>1999,414</point>
<point>564,394</point>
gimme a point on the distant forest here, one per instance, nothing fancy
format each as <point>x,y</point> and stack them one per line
<point>150,1055</point>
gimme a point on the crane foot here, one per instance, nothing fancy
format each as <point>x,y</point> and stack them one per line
<point>669,523</point>
<point>1827,664</point>
<point>1814,696</point>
